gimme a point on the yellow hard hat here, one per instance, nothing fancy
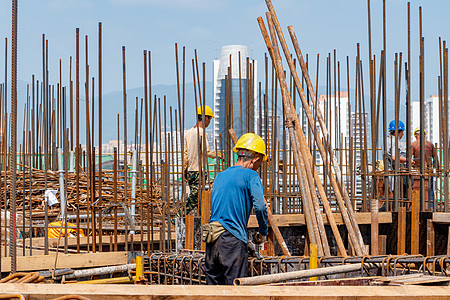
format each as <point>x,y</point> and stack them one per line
<point>418,130</point>
<point>208,111</point>
<point>252,142</point>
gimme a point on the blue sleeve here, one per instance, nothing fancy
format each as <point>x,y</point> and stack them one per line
<point>256,193</point>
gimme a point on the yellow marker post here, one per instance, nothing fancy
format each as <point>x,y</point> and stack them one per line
<point>313,259</point>
<point>139,269</point>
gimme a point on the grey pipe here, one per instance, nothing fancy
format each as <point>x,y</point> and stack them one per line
<point>133,187</point>
<point>273,278</point>
<point>62,189</point>
<point>100,271</point>
<point>71,162</point>
<point>71,217</point>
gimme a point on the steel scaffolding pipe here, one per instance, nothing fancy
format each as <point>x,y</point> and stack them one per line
<point>273,278</point>
<point>100,271</point>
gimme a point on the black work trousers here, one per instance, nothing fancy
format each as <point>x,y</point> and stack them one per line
<point>226,260</point>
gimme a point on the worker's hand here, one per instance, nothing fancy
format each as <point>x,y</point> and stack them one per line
<point>220,155</point>
<point>252,251</point>
<point>258,238</point>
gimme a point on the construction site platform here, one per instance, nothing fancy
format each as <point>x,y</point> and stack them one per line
<point>98,291</point>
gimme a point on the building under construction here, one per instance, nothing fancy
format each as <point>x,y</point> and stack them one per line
<point>344,219</point>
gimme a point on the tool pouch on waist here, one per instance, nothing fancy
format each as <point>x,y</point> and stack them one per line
<point>211,232</point>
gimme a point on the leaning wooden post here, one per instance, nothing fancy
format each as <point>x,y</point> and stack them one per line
<point>374,226</point>
<point>401,229</point>
<point>189,232</point>
<point>206,211</point>
<point>415,208</point>
<point>430,237</point>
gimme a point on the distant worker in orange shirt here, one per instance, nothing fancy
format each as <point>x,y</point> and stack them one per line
<point>430,157</point>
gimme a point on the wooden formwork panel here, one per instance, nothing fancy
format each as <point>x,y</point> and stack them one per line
<point>46,262</point>
<point>299,219</point>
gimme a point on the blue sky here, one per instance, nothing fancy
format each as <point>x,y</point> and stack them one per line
<point>207,25</point>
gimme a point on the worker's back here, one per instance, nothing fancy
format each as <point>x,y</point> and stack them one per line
<point>232,199</point>
<point>192,137</point>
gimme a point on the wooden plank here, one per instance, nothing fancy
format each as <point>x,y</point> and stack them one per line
<point>189,233</point>
<point>415,209</point>
<point>430,279</point>
<point>430,237</point>
<point>401,229</point>
<point>448,241</point>
<point>287,220</point>
<point>271,243</point>
<point>393,278</point>
<point>374,227</point>
<point>206,211</point>
<point>382,239</point>
<point>85,260</point>
<point>440,217</point>
<point>413,279</point>
<point>123,291</point>
<point>72,241</point>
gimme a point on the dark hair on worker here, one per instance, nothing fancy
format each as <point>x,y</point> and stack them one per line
<point>248,155</point>
<point>392,132</point>
<point>199,117</point>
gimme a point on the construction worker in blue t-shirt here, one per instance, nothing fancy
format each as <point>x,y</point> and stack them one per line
<point>390,151</point>
<point>235,191</point>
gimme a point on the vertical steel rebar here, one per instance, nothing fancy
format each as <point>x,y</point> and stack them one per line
<point>100,146</point>
<point>13,163</point>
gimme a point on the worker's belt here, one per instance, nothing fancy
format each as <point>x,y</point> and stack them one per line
<point>211,232</point>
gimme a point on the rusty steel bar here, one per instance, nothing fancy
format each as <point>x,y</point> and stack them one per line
<point>100,171</point>
<point>77,133</point>
<point>90,200</point>
<point>151,132</point>
<point>13,146</point>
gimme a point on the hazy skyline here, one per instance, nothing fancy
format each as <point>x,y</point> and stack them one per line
<point>156,25</point>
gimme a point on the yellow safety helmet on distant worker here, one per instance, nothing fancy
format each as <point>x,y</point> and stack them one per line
<point>418,130</point>
<point>251,142</point>
<point>208,111</point>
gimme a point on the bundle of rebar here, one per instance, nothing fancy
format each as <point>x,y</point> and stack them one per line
<point>31,190</point>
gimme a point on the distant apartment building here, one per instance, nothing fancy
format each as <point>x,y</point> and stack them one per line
<point>271,129</point>
<point>341,127</point>
<point>431,118</point>
<point>234,100</point>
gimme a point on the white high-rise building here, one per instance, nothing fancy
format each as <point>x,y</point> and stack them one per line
<point>335,112</point>
<point>221,72</point>
<point>431,120</point>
